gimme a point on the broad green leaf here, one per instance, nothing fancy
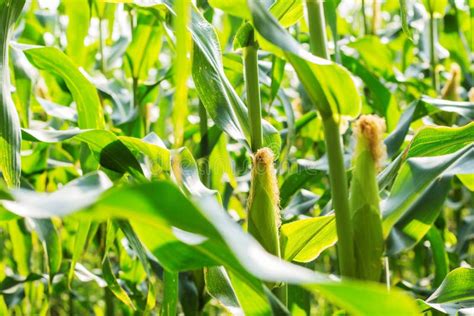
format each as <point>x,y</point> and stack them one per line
<point>209,232</point>
<point>419,109</point>
<point>85,95</point>
<point>23,78</point>
<point>80,242</point>
<point>382,100</point>
<point>304,240</point>
<point>436,7</point>
<point>51,242</point>
<point>22,245</point>
<point>455,294</point>
<point>288,12</point>
<point>113,284</point>
<point>440,256</point>
<point>376,55</point>
<point>219,286</point>
<point>256,299</point>
<point>416,177</point>
<point>10,137</point>
<point>78,13</point>
<point>418,218</point>
<point>321,78</point>
<point>234,7</point>
<point>79,193</point>
<point>109,150</point>
<point>440,140</point>
<point>143,51</point>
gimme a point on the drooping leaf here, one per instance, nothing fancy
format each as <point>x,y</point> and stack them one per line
<point>322,79</point>
<point>417,175</point>
<point>88,105</point>
<point>207,232</point>
<point>51,242</point>
<point>10,137</point>
<point>304,240</point>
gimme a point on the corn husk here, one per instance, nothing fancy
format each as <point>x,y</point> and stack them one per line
<point>369,153</point>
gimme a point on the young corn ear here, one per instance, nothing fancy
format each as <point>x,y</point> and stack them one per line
<point>451,89</point>
<point>364,197</point>
<point>263,203</point>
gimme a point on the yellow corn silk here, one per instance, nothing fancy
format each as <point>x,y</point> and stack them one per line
<point>263,209</point>
<point>364,197</point>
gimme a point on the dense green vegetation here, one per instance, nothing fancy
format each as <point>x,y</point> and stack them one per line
<point>221,157</point>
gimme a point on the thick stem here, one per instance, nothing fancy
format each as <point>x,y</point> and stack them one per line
<point>170,295</point>
<point>340,197</point>
<point>433,56</point>
<point>337,172</point>
<point>253,94</point>
<point>317,28</point>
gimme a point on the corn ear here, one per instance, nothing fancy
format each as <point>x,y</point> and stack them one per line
<point>263,203</point>
<point>451,89</point>
<point>364,197</point>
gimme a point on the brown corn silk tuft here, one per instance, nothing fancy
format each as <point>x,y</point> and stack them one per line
<point>372,128</point>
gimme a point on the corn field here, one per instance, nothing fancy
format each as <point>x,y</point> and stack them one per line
<point>236,157</point>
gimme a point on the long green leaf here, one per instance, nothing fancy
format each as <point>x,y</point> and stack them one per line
<point>304,240</point>
<point>88,105</point>
<point>455,293</point>
<point>10,137</point>
<point>207,232</point>
<point>323,80</point>
<point>223,105</point>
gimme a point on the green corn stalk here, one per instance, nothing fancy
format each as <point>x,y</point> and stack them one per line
<point>263,209</point>
<point>364,197</point>
<point>337,172</point>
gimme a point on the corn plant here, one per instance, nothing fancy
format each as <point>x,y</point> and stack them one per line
<point>236,157</point>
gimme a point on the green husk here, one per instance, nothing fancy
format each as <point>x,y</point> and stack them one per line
<point>364,199</point>
<point>263,209</point>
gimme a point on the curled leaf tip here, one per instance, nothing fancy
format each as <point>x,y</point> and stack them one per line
<point>371,129</point>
